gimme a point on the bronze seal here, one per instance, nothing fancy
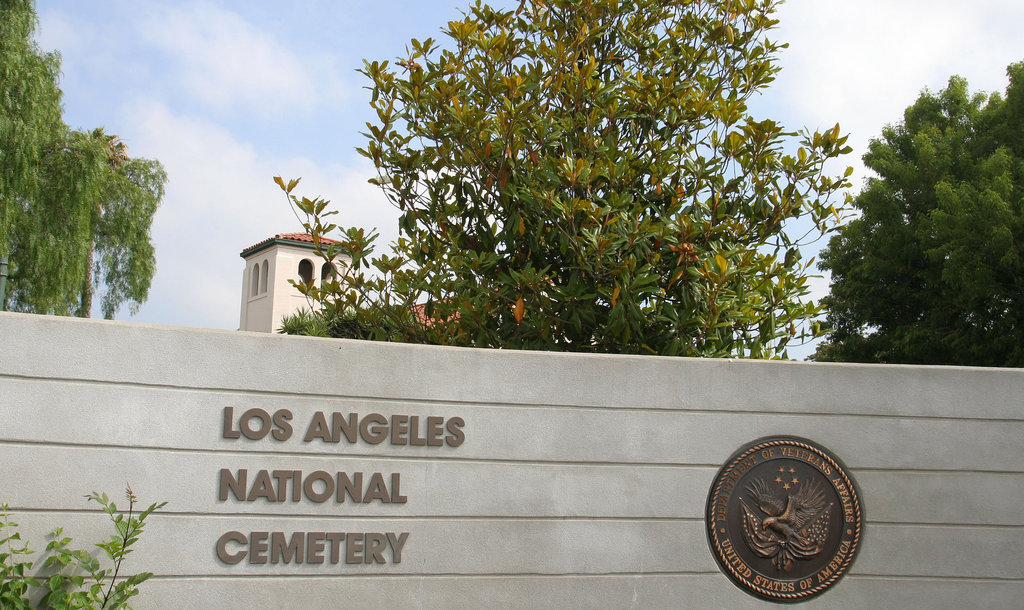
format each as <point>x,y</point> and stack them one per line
<point>783,519</point>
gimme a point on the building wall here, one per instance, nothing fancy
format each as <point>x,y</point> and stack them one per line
<point>265,310</point>
<point>581,480</point>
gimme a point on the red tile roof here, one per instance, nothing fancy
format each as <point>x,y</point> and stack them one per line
<point>419,311</point>
<point>299,237</point>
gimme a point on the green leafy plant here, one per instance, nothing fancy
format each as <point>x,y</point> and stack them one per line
<point>14,579</point>
<point>586,176</point>
<point>76,578</point>
<point>932,270</point>
<point>304,322</point>
<point>335,323</point>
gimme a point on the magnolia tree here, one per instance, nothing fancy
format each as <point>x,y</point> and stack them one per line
<point>585,175</point>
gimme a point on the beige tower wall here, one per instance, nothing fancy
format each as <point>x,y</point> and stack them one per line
<point>579,481</point>
<point>264,310</point>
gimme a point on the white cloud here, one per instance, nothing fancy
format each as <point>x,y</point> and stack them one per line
<point>861,64</point>
<point>227,62</point>
<point>221,199</point>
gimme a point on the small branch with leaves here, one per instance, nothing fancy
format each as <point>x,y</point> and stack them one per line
<point>75,579</point>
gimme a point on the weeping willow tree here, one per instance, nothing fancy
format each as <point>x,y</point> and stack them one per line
<point>30,102</point>
<point>75,209</point>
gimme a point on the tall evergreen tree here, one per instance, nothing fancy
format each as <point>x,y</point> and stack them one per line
<point>75,209</point>
<point>932,272</point>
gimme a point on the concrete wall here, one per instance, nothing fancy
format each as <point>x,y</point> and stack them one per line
<point>581,481</point>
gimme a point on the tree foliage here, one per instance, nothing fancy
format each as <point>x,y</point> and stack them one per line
<point>75,209</point>
<point>932,271</point>
<point>30,104</point>
<point>585,175</point>
<point>72,578</point>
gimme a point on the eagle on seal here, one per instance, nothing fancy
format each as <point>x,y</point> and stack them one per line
<point>794,530</point>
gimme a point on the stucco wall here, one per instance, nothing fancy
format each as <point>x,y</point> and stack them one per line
<point>581,480</point>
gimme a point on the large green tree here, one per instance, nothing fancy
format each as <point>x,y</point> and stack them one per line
<point>29,112</point>
<point>586,175</point>
<point>932,271</point>
<point>75,209</point>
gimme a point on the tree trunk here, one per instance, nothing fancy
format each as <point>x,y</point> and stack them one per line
<point>3,283</point>
<point>85,308</point>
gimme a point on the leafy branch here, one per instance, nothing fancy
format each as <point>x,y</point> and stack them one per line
<point>77,579</point>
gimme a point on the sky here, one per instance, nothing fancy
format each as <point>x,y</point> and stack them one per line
<point>229,94</point>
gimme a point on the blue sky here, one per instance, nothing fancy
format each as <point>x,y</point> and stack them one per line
<point>228,94</point>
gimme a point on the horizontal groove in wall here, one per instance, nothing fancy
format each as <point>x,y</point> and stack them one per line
<point>867,469</point>
<point>453,458</point>
<point>573,575</point>
<point>353,456</point>
<point>853,575</point>
<point>438,576</point>
<point>551,406</point>
<point>365,517</point>
<point>925,524</point>
<point>483,518</point>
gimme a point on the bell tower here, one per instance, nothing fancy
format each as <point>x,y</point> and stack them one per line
<point>267,297</point>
